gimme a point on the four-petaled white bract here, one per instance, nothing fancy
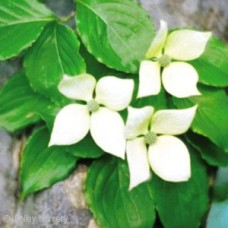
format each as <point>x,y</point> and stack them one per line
<point>99,114</point>
<point>168,52</point>
<point>151,144</point>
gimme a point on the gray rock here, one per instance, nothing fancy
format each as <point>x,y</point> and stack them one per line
<point>74,187</point>
<point>199,14</point>
<point>53,207</point>
<point>9,68</point>
<point>63,9</point>
<point>9,150</point>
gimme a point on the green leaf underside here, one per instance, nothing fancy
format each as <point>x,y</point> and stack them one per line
<point>110,201</point>
<point>208,151</point>
<point>182,204</point>
<point>218,215</point>
<point>42,166</point>
<point>19,105</point>
<point>212,66</point>
<point>119,32</point>
<point>21,22</point>
<point>211,119</point>
<point>55,53</point>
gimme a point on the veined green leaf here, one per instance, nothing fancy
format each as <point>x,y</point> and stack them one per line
<point>55,53</point>
<point>97,69</point>
<point>182,204</point>
<point>117,33</point>
<point>42,166</point>
<point>19,104</point>
<point>112,204</point>
<point>21,22</point>
<point>211,118</point>
<point>212,66</point>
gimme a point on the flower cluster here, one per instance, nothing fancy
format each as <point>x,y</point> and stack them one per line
<point>166,56</point>
<point>148,138</point>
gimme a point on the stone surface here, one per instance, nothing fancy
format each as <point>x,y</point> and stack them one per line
<point>9,149</point>
<point>8,68</point>
<point>65,201</point>
<point>199,14</point>
<point>93,224</point>
<point>54,208</point>
<point>74,187</point>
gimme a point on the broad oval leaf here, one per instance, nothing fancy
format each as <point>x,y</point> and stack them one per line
<point>112,204</point>
<point>18,18</point>
<point>55,53</point>
<point>42,166</point>
<point>182,204</point>
<point>20,105</point>
<point>212,66</point>
<point>119,32</point>
<point>211,118</point>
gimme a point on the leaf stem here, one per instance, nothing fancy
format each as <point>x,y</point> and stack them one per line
<point>67,18</point>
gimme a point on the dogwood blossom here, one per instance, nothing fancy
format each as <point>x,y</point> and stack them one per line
<point>168,51</point>
<point>99,114</point>
<point>151,142</point>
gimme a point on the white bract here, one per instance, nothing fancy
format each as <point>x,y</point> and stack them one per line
<point>151,143</point>
<point>99,114</point>
<point>168,52</point>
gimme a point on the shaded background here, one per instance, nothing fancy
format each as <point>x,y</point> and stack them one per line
<point>65,199</point>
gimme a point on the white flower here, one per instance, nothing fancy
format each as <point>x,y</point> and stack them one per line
<point>99,114</point>
<point>150,143</point>
<point>179,78</point>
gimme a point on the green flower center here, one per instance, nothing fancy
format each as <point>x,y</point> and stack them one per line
<point>92,105</point>
<point>150,138</point>
<point>164,61</point>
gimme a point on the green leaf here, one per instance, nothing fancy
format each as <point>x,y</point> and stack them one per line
<point>48,114</point>
<point>86,148</point>
<point>218,215</point>
<point>55,53</point>
<point>42,166</point>
<point>21,22</point>
<point>159,101</point>
<point>208,151</point>
<point>19,104</point>
<point>112,204</point>
<point>96,68</point>
<point>119,32</point>
<point>182,204</point>
<point>211,118</point>
<point>212,66</point>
